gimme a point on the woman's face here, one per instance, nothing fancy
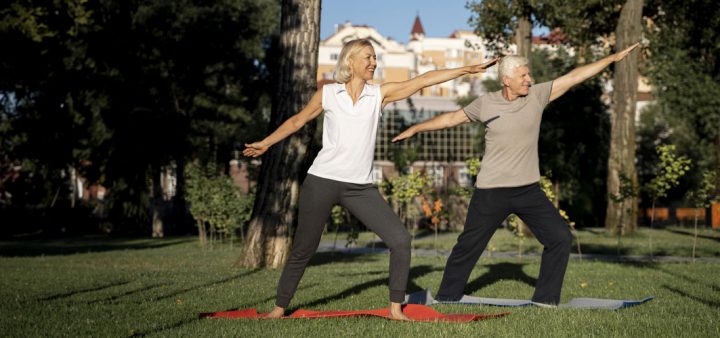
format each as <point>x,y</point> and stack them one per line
<point>363,63</point>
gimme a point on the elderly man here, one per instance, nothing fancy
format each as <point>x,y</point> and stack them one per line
<point>508,179</point>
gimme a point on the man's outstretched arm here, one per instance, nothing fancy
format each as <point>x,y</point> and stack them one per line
<point>442,121</point>
<point>582,73</point>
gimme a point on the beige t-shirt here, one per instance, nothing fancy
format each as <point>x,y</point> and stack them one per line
<point>512,129</point>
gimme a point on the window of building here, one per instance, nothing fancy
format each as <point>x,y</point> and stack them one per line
<point>334,56</point>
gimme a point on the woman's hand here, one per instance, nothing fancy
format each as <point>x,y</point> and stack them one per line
<point>255,149</point>
<point>474,69</point>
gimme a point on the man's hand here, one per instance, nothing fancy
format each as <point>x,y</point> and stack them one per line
<point>623,53</point>
<point>408,133</point>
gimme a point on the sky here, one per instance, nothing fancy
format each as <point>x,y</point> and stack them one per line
<point>394,18</point>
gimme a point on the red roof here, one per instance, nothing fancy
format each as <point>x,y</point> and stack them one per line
<point>417,27</point>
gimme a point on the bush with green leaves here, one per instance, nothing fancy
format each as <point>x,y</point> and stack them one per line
<point>403,191</point>
<point>667,176</point>
<point>667,173</point>
<point>218,206</point>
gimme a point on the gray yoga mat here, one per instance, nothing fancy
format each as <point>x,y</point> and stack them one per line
<point>426,298</point>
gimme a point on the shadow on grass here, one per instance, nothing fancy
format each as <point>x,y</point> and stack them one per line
<point>124,294</point>
<point>499,272</point>
<point>165,328</point>
<point>363,273</point>
<point>199,286</point>
<point>77,292</point>
<point>267,299</point>
<point>35,247</point>
<point>415,272</point>
<point>196,316</point>
<point>604,249</point>
<point>322,258</point>
<point>691,234</point>
<point>691,280</point>
<point>711,303</point>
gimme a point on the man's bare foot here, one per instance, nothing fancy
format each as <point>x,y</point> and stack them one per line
<point>277,312</point>
<point>396,312</point>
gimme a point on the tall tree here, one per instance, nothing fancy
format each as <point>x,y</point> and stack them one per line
<point>622,135</point>
<point>275,210</point>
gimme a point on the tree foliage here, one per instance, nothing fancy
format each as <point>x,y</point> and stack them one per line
<point>119,89</point>
<point>684,71</point>
<point>668,172</point>
<point>704,194</point>
<point>496,20</point>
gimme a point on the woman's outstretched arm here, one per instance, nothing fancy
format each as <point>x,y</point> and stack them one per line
<point>393,91</point>
<point>291,125</point>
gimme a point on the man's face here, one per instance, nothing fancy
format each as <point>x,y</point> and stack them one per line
<point>519,81</point>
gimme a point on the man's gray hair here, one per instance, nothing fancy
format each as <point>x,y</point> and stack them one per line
<point>508,63</point>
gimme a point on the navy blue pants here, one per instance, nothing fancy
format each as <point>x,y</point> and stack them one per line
<point>488,208</point>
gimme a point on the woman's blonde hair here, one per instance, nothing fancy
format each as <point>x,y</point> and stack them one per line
<point>343,73</point>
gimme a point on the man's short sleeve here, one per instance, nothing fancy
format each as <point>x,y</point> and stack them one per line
<point>542,92</point>
<point>474,109</point>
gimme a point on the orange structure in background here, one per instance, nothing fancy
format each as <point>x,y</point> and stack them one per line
<point>681,215</point>
<point>661,214</point>
<point>688,214</point>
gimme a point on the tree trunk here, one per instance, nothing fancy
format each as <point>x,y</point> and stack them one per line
<point>523,36</point>
<point>73,186</point>
<point>283,166</point>
<point>158,202</point>
<point>622,141</point>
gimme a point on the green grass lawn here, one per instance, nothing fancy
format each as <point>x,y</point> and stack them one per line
<point>111,287</point>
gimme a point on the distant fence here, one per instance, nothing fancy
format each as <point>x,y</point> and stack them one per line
<point>667,216</point>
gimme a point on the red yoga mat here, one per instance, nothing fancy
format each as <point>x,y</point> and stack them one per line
<point>416,312</point>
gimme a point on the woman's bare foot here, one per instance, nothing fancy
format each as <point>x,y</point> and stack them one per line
<point>396,312</point>
<point>277,312</point>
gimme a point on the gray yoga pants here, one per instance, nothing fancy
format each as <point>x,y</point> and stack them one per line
<point>317,197</point>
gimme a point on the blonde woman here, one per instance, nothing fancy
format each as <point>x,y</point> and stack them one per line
<point>342,171</point>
